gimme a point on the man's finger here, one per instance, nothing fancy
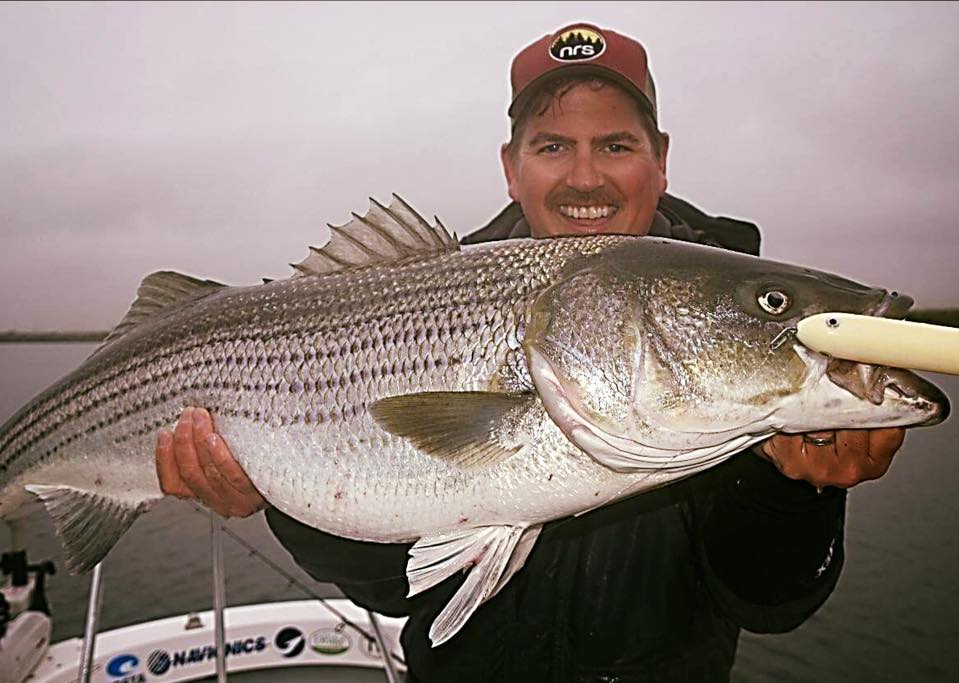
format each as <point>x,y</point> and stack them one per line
<point>852,444</point>
<point>167,472</point>
<point>225,475</point>
<point>229,468</point>
<point>805,457</point>
<point>775,449</point>
<point>188,463</point>
<point>202,431</point>
<point>819,447</point>
<point>244,499</point>
<point>883,443</point>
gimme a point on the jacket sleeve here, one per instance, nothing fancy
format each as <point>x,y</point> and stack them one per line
<point>373,575</point>
<point>771,548</point>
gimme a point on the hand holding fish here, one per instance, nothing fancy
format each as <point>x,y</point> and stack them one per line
<point>842,458</point>
<point>194,461</point>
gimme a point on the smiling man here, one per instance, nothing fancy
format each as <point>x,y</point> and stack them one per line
<point>654,588</point>
<point>587,168</point>
<point>586,156</point>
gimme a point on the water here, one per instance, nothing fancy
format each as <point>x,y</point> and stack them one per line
<point>895,613</point>
<point>893,617</point>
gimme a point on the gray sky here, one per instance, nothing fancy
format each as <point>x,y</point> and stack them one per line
<point>219,139</point>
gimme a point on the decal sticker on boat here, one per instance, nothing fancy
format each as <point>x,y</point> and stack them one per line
<point>330,641</point>
<point>372,649</point>
<point>122,665</point>
<point>289,641</point>
<point>160,661</point>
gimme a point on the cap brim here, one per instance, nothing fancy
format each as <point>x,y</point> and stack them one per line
<point>580,69</point>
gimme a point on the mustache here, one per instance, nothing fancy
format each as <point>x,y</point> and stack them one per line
<point>568,195</point>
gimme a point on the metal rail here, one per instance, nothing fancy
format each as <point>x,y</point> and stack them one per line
<point>294,581</point>
<point>391,674</point>
<point>90,629</point>
<point>219,596</point>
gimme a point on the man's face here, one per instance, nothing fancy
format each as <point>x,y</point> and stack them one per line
<point>586,166</point>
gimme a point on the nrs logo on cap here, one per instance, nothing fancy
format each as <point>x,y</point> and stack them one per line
<point>577,44</point>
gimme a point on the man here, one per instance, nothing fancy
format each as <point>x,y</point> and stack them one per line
<point>651,588</point>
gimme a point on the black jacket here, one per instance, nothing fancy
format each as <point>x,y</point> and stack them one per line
<point>652,588</point>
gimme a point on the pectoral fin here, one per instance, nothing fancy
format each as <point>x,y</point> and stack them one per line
<point>495,553</point>
<point>88,523</point>
<point>466,428</point>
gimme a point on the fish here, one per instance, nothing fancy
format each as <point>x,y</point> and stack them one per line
<point>398,387</point>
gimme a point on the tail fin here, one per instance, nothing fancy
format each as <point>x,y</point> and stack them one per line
<point>88,523</point>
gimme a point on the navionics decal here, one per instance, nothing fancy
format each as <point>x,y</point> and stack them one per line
<point>161,661</point>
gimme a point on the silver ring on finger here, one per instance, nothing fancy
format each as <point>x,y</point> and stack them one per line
<point>818,441</point>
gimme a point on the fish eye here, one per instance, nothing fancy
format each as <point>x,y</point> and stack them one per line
<point>774,302</point>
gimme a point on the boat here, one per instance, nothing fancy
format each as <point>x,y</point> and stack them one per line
<point>317,640</point>
<point>283,641</point>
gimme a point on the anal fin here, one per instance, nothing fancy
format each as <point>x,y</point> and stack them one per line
<point>524,546</point>
<point>89,524</point>
<point>495,552</point>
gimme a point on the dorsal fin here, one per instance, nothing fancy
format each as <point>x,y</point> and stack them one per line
<point>158,292</point>
<point>383,235</point>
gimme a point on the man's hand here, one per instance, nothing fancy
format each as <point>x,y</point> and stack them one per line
<point>193,461</point>
<point>842,458</point>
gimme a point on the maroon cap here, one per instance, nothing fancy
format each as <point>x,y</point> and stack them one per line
<point>583,48</point>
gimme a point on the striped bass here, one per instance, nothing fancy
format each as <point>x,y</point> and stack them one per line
<point>399,388</point>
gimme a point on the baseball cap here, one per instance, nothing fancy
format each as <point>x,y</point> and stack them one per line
<point>588,49</point>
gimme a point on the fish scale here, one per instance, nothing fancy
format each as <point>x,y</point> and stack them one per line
<point>400,389</point>
<point>222,342</point>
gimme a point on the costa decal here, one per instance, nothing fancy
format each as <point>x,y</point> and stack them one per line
<point>329,641</point>
<point>123,669</point>
<point>577,44</point>
<point>290,641</point>
<point>122,665</point>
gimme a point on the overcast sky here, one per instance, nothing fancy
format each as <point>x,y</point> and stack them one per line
<point>219,139</point>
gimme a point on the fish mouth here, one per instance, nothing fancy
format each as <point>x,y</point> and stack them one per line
<point>868,382</point>
<point>871,382</point>
<point>892,305</point>
<point>914,389</point>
